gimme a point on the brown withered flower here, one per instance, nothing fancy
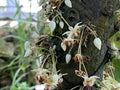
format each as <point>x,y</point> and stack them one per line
<point>80,73</point>
<point>78,58</point>
<point>44,6</point>
<point>68,42</point>
<point>54,3</point>
<point>42,75</point>
<point>105,75</point>
<point>41,78</point>
<point>109,69</point>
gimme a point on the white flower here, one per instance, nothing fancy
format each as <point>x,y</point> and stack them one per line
<point>77,26</point>
<point>89,81</point>
<point>40,87</point>
<point>73,32</point>
<point>63,46</point>
<point>97,42</point>
<point>53,80</point>
<point>68,58</point>
<point>56,77</point>
<point>68,3</point>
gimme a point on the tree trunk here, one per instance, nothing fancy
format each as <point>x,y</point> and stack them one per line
<point>99,13</point>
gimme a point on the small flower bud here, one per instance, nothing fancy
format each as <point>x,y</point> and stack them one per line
<point>80,73</point>
<point>68,58</point>
<point>97,42</point>
<point>68,3</point>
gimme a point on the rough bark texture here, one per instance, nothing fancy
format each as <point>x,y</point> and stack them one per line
<point>99,13</point>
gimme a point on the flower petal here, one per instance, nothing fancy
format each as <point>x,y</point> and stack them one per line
<point>70,28</point>
<point>40,87</point>
<point>77,25</point>
<point>55,79</point>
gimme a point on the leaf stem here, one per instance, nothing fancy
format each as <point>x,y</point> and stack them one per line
<point>63,18</point>
<point>94,33</point>
<point>79,47</point>
<point>44,61</point>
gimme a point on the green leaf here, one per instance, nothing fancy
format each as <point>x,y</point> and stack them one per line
<point>116,63</point>
<point>116,39</point>
<point>23,86</point>
<point>24,66</point>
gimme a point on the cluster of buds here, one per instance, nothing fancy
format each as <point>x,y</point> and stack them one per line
<point>72,34</point>
<point>110,69</point>
<point>47,80</point>
<point>109,83</point>
<point>68,42</point>
<point>50,5</point>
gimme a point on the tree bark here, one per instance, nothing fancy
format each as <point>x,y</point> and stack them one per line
<point>99,13</point>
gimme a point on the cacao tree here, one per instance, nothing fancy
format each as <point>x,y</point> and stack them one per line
<point>90,48</point>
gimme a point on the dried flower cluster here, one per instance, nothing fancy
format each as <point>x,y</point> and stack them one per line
<point>48,81</point>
